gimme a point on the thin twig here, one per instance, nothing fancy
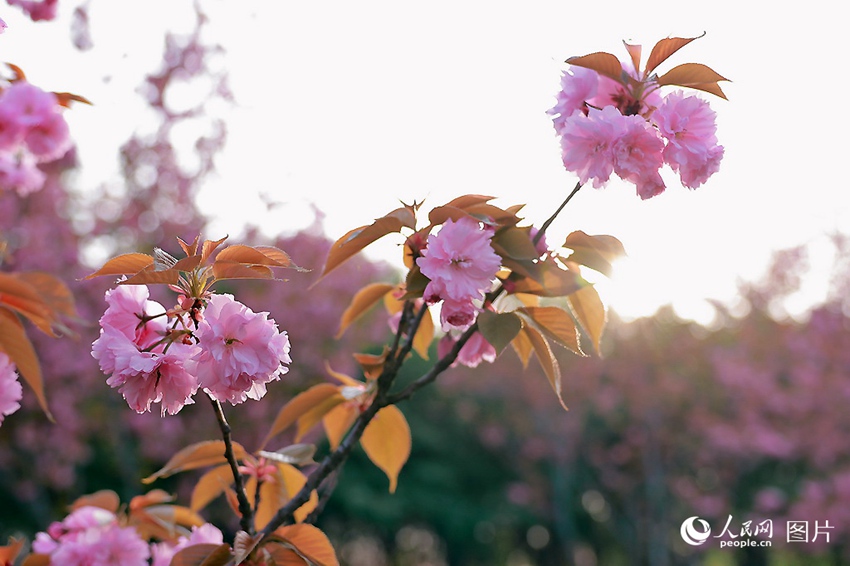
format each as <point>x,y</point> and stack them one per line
<point>556,213</point>
<point>246,522</point>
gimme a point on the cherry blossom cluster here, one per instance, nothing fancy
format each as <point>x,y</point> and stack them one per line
<point>92,536</point>
<point>11,391</point>
<point>606,128</point>
<point>32,131</point>
<point>461,265</point>
<point>217,344</point>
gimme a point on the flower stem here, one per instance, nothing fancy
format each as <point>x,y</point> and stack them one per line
<point>555,214</point>
<point>246,522</point>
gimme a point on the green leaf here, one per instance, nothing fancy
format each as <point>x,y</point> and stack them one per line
<point>499,329</point>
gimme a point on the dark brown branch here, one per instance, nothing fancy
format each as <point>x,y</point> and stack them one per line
<point>551,219</point>
<point>246,523</point>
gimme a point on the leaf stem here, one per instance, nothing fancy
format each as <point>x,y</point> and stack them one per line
<point>246,522</point>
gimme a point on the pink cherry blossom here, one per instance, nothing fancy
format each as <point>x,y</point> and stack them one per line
<point>50,138</point>
<point>19,172</point>
<point>459,261</point>
<point>637,156</point>
<point>587,144</point>
<point>688,125</point>
<point>91,536</point>
<point>578,85</point>
<point>37,10</point>
<point>473,352</point>
<point>28,104</point>
<point>11,391</point>
<point>240,351</point>
<point>162,553</point>
<point>134,315</point>
<point>144,378</point>
<point>457,314</point>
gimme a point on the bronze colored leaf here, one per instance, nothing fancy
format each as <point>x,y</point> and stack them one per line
<point>150,276</point>
<point>557,324</point>
<point>204,554</point>
<point>198,455</point>
<point>634,53</point>
<point>10,552</point>
<point>499,329</point>
<point>20,296</point>
<point>315,414</point>
<point>371,364</point>
<point>357,239</point>
<point>309,542</point>
<point>690,74</point>
<point>51,290</point>
<point>337,421</point>
<point>297,406</point>
<point>104,499</point>
<point>65,98</point>
<point>234,270</point>
<point>208,247</point>
<point>603,63</point>
<point>550,280</point>
<point>664,49</point>
<point>424,336</point>
<point>293,480</point>
<point>362,301</point>
<point>547,359</point>
<point>15,343</point>
<point>211,485</point>
<point>387,443</point>
<point>590,313</point>
<point>596,252</point>
<point>522,346</point>
<point>124,265</point>
<point>260,255</point>
<point>189,249</point>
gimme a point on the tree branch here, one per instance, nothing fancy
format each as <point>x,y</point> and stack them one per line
<point>246,522</point>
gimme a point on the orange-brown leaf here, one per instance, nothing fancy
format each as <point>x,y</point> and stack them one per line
<point>522,346</point>
<point>50,289</point>
<point>260,255</point>
<point>357,239</point>
<point>104,499</point>
<point>549,280</point>
<point>557,324</point>
<point>309,542</point>
<point>234,270</point>
<point>603,63</point>
<point>387,442</point>
<point>198,455</point>
<point>362,301</point>
<point>124,265</point>
<point>547,359</point>
<point>36,559</point>
<point>315,414</point>
<point>65,98</point>
<point>19,295</point>
<point>297,406</point>
<point>690,74</point>
<point>204,554</point>
<point>424,336</point>
<point>15,343</point>
<point>596,252</point>
<point>664,49</point>
<point>337,421</point>
<point>10,552</point>
<point>293,480</point>
<point>211,485</point>
<point>208,247</point>
<point>590,313</point>
<point>634,54</point>
<point>150,276</point>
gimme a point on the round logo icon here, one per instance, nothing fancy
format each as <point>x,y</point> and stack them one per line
<point>692,535</point>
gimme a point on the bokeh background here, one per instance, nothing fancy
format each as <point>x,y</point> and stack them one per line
<point>725,377</point>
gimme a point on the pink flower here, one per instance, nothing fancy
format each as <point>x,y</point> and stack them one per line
<point>577,86</point>
<point>11,391</point>
<point>459,261</point>
<point>28,104</point>
<point>91,536</point>
<point>50,138</point>
<point>457,314</point>
<point>637,156</point>
<point>144,378</point>
<point>20,173</point>
<point>134,315</point>
<point>240,351</point>
<point>473,352</point>
<point>144,367</point>
<point>37,10</point>
<point>587,144</point>
<point>688,125</point>
<point>205,534</point>
<point>3,26</point>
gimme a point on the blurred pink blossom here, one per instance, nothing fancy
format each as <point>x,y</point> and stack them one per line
<point>240,351</point>
<point>163,552</point>
<point>37,10</point>
<point>578,85</point>
<point>91,536</point>
<point>11,391</point>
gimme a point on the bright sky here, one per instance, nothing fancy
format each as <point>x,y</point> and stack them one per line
<point>354,106</point>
